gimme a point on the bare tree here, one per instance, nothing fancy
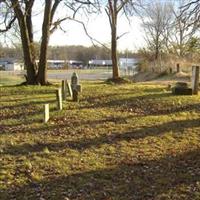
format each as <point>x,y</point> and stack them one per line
<point>179,32</point>
<point>22,12</point>
<point>156,18</point>
<point>113,9</point>
<point>191,11</point>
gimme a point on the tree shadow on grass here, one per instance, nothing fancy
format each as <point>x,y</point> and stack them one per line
<point>126,91</point>
<point>144,105</point>
<point>29,99</point>
<point>25,112</point>
<point>170,177</point>
<point>176,127</point>
<point>124,101</point>
<point>60,124</point>
<point>30,103</point>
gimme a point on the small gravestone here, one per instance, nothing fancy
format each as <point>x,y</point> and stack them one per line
<point>46,113</point>
<point>181,88</point>
<point>76,88</point>
<point>68,89</point>
<point>195,79</point>
<point>178,68</point>
<point>59,98</point>
<point>64,95</point>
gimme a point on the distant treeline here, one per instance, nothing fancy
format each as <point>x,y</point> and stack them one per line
<point>81,53</point>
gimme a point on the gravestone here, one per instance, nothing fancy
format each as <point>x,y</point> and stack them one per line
<point>178,68</point>
<point>195,79</point>
<point>46,113</point>
<point>64,95</point>
<point>59,98</point>
<point>76,88</point>
<point>181,88</point>
<point>68,89</point>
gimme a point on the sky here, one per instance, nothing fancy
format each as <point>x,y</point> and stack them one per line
<point>98,27</point>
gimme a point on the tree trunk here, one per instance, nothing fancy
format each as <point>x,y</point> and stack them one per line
<point>114,52</point>
<point>29,61</point>
<point>42,71</point>
<point>157,47</point>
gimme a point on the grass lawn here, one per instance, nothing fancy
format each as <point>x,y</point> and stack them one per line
<point>120,142</point>
<point>10,78</point>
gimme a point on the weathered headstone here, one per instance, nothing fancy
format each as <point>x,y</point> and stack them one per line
<point>181,88</point>
<point>181,85</point>
<point>46,113</point>
<point>195,79</point>
<point>75,86</point>
<point>178,68</point>
<point>64,95</point>
<point>59,98</point>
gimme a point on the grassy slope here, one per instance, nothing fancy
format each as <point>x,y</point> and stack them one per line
<point>122,142</point>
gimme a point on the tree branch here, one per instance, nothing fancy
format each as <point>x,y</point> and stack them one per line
<point>9,26</point>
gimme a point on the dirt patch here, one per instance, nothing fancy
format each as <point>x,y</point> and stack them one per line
<point>117,81</point>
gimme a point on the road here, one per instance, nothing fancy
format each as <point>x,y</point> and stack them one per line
<point>82,74</point>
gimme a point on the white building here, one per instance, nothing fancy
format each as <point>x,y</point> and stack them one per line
<point>127,63</point>
<point>11,65</point>
<point>56,64</point>
<point>100,63</point>
<point>124,63</point>
<point>75,63</point>
<point>59,64</point>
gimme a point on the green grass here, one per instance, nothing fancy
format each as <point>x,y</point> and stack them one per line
<point>10,78</point>
<point>120,142</point>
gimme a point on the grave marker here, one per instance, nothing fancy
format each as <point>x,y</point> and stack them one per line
<point>178,68</point>
<point>46,113</point>
<point>59,98</point>
<point>69,89</point>
<point>195,79</point>
<point>181,88</point>
<point>64,95</point>
<point>76,88</point>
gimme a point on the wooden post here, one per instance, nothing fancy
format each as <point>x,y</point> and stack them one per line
<point>46,113</point>
<point>195,79</point>
<point>64,90</point>
<point>59,98</point>
<point>177,67</point>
